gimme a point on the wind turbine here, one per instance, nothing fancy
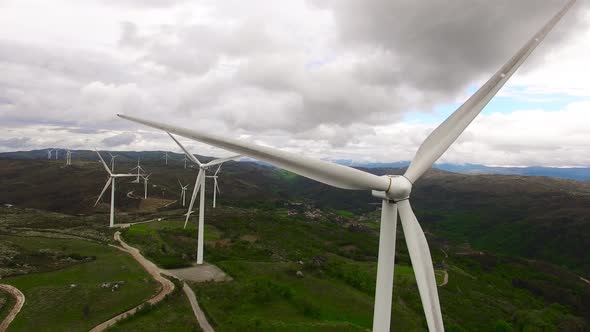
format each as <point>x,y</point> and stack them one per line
<point>145,184</point>
<point>139,171</point>
<point>110,181</point>
<point>216,185</point>
<point>68,157</point>
<point>112,161</point>
<point>56,153</point>
<point>49,152</point>
<point>200,184</point>
<point>166,157</point>
<point>185,160</point>
<point>393,190</point>
<point>183,192</point>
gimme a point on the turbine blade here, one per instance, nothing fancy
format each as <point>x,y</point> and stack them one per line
<point>106,186</point>
<point>188,154</point>
<point>319,170</point>
<point>218,169</point>
<point>222,160</point>
<point>422,264</point>
<point>103,163</point>
<point>217,186</point>
<point>446,133</point>
<point>195,192</point>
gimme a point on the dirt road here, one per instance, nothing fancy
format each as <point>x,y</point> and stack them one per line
<point>167,286</point>
<point>205,326</point>
<point>20,301</point>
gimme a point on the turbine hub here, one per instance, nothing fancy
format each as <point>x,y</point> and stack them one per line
<point>399,189</point>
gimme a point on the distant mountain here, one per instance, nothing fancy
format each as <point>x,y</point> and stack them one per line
<point>533,217</point>
<point>572,173</point>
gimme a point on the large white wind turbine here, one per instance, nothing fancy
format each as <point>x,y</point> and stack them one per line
<point>110,181</point>
<point>394,190</point>
<point>183,192</point>
<point>200,184</point>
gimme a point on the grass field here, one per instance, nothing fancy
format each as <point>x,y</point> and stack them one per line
<point>72,299</point>
<point>262,251</point>
<point>7,303</point>
<point>174,314</point>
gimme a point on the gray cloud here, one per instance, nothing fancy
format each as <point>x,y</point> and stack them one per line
<point>120,139</point>
<point>14,143</point>
<point>440,47</point>
<point>254,67</point>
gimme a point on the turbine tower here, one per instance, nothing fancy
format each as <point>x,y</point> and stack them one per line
<point>185,160</point>
<point>393,190</point>
<point>183,192</point>
<point>111,182</point>
<point>200,184</point>
<point>49,153</point>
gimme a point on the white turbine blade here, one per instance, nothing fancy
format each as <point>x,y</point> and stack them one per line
<point>124,175</point>
<point>446,133</point>
<point>180,183</point>
<point>103,163</point>
<point>422,265</point>
<point>106,186</point>
<point>187,154</point>
<point>319,170</point>
<point>218,169</point>
<point>217,186</point>
<point>195,191</point>
<point>222,160</point>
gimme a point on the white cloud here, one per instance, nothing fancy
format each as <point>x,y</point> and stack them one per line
<point>330,78</point>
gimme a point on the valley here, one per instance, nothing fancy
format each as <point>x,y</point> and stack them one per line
<point>301,256</point>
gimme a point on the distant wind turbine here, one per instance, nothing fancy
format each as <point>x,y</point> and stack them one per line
<point>166,157</point>
<point>68,157</point>
<point>113,157</point>
<point>145,185</point>
<point>111,182</point>
<point>183,192</point>
<point>49,152</point>
<point>215,185</point>
<point>139,169</point>
<point>185,160</point>
<point>200,184</point>
<point>394,190</point>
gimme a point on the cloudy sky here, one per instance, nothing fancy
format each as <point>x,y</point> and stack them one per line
<point>337,79</point>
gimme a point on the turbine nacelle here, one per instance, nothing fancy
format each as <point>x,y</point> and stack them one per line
<point>399,189</point>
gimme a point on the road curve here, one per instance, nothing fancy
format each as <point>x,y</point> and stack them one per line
<point>20,301</point>
<point>153,270</point>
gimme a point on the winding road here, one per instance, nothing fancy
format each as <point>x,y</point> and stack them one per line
<point>153,270</point>
<point>167,288</point>
<point>20,301</point>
